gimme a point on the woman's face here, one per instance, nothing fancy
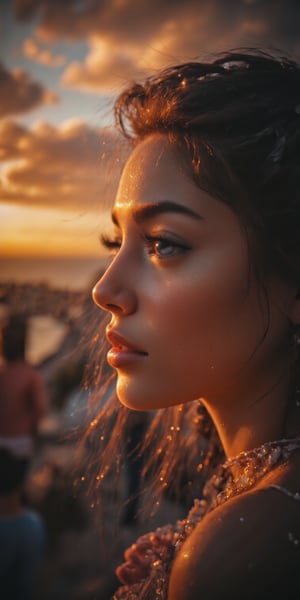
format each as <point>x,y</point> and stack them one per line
<point>186,316</point>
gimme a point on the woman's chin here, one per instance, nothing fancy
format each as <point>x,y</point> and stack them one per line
<point>135,400</point>
<point>135,404</point>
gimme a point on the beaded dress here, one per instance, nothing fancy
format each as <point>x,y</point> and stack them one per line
<point>235,476</point>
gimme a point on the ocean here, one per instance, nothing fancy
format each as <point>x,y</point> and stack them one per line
<point>71,273</point>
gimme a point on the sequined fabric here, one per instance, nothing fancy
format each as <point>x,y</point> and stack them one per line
<point>235,476</point>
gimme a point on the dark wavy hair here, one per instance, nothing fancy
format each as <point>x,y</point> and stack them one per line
<point>236,123</point>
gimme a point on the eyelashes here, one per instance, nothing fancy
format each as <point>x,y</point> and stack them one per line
<point>158,246</point>
<point>110,243</point>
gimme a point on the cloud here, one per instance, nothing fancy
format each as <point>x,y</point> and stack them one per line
<point>106,68</point>
<point>66,167</point>
<point>112,61</point>
<point>33,50</point>
<point>25,9</point>
<point>138,21</point>
<point>130,38</point>
<point>19,94</point>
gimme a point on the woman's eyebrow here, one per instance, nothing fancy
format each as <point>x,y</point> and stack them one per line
<point>148,211</point>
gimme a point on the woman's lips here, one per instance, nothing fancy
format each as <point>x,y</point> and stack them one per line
<point>122,352</point>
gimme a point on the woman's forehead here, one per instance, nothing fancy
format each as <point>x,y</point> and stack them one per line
<point>155,151</point>
<point>153,168</point>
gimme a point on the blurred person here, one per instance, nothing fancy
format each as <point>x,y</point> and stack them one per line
<point>23,394</point>
<point>23,539</point>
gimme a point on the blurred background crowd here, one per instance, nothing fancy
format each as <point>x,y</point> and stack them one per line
<point>80,537</point>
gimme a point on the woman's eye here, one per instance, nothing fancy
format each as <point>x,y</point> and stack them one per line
<point>164,248</point>
<point>156,246</point>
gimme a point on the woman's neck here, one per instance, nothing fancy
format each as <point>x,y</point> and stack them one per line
<point>247,418</point>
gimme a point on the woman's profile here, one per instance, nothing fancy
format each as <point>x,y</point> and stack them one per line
<point>203,300</point>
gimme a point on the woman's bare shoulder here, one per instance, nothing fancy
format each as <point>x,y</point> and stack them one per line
<point>247,548</point>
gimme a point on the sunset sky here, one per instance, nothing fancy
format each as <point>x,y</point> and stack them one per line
<point>62,64</point>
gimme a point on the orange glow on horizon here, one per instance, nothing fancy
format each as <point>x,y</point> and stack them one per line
<point>18,247</point>
<point>21,251</point>
<point>29,232</point>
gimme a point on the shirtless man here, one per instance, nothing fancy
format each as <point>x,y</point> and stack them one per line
<point>23,397</point>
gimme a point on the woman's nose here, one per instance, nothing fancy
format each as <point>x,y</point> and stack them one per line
<point>113,293</point>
